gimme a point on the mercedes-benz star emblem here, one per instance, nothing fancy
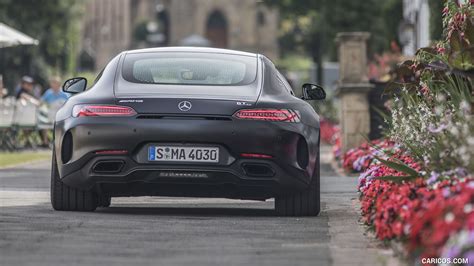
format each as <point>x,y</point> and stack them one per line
<point>185,106</point>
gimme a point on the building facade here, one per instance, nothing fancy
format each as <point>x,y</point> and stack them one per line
<point>415,29</point>
<point>106,31</point>
<point>110,26</point>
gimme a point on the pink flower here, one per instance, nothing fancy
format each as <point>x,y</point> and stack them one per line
<point>445,11</point>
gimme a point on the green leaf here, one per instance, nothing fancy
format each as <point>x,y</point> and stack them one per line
<point>395,87</point>
<point>401,167</point>
<point>382,112</point>
<point>455,41</point>
<point>462,60</point>
<point>469,32</point>
<point>405,69</point>
<point>427,50</point>
<point>396,179</point>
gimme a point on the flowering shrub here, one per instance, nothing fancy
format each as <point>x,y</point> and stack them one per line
<point>328,131</point>
<point>422,217</point>
<point>432,110</point>
<point>378,170</point>
<point>358,159</point>
<point>381,67</point>
<point>445,210</point>
<point>418,188</point>
<point>460,245</point>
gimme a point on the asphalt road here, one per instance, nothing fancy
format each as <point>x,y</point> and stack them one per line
<point>177,231</point>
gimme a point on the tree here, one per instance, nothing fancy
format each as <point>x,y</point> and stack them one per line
<point>392,15</point>
<point>436,19</point>
<point>54,24</point>
<point>317,22</point>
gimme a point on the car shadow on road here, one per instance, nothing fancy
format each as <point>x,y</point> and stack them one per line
<point>189,211</point>
<point>240,210</point>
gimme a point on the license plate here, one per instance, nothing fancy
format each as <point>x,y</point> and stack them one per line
<point>183,154</point>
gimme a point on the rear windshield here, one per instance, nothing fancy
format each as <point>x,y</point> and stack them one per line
<point>190,68</point>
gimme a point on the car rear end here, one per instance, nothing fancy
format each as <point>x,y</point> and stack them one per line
<point>186,124</point>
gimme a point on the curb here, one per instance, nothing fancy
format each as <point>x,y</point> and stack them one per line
<point>391,252</point>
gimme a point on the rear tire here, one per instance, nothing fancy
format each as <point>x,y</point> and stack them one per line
<point>65,198</point>
<point>303,203</point>
<point>104,201</point>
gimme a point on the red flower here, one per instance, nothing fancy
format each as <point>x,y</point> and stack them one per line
<point>421,217</point>
<point>360,158</point>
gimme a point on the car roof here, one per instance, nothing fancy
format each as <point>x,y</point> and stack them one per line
<point>190,50</point>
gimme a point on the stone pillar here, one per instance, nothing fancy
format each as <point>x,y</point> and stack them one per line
<point>353,88</point>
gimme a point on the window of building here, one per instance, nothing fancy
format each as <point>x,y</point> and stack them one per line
<point>216,29</point>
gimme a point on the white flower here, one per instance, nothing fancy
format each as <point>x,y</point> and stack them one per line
<point>466,158</point>
<point>470,141</point>
<point>454,130</point>
<point>465,106</point>
<point>462,150</point>
<point>441,98</point>
<point>449,217</point>
<point>467,208</point>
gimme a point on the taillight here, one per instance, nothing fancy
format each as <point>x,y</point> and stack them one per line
<point>276,115</point>
<point>102,110</point>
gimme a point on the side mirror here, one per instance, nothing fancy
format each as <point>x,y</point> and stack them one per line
<point>75,85</point>
<point>313,92</point>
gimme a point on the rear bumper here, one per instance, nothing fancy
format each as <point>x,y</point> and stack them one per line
<point>226,179</point>
<point>186,180</point>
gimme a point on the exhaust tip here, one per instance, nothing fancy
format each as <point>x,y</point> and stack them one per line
<point>108,167</point>
<point>258,170</point>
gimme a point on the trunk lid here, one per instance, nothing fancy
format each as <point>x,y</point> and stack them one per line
<point>184,106</point>
<point>197,100</point>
